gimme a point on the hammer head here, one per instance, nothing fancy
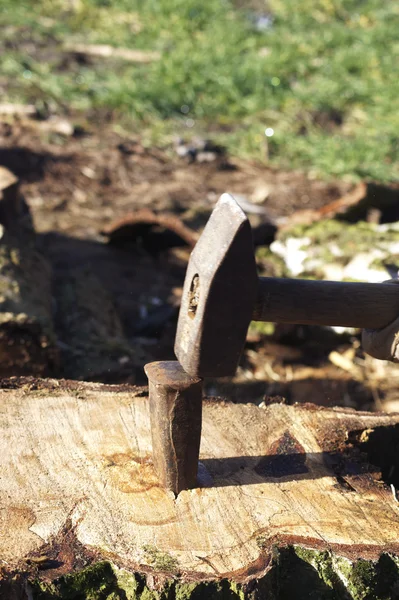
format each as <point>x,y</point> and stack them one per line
<point>219,294</point>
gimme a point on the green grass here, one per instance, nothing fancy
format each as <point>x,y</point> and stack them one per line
<point>324,76</point>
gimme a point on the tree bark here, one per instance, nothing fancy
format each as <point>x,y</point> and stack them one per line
<point>27,339</point>
<point>292,502</point>
<point>90,333</point>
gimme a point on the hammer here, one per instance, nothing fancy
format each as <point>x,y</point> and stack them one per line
<point>222,294</point>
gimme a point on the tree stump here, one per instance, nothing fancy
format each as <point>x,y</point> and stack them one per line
<point>293,501</point>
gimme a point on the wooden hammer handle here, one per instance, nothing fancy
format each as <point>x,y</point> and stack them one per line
<point>308,302</point>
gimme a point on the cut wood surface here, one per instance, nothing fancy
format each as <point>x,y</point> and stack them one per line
<point>77,486</point>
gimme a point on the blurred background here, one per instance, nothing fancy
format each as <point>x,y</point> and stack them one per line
<point>122,122</point>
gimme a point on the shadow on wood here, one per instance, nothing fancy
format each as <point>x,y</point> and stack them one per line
<point>78,486</point>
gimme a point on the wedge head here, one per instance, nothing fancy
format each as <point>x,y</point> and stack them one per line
<point>219,294</point>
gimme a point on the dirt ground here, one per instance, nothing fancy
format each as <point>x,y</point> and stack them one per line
<point>77,186</point>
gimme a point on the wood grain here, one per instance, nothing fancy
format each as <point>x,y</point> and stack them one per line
<point>78,456</point>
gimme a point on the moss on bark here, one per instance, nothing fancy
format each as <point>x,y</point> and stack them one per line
<point>295,572</point>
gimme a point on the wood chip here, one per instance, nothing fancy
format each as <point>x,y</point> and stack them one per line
<point>17,109</point>
<point>105,51</point>
<point>7,179</point>
<point>345,362</point>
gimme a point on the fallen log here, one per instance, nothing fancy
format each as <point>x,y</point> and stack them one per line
<point>27,340</point>
<point>13,209</point>
<point>291,502</point>
<point>90,333</point>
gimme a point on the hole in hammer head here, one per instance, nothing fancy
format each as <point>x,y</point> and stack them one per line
<point>193,296</point>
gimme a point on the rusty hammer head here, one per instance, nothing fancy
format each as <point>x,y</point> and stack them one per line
<point>218,295</point>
